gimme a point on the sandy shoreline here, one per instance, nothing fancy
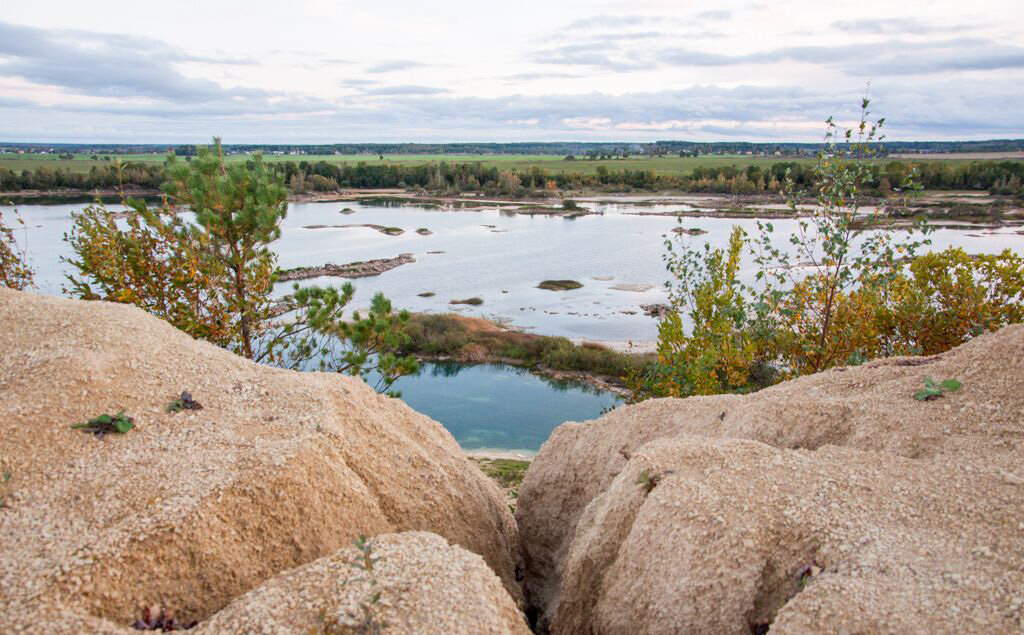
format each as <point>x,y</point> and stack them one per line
<point>498,453</point>
<point>633,347</point>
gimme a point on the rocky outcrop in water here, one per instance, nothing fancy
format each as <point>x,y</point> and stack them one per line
<point>351,270</point>
<point>390,231</point>
<point>689,231</point>
<point>656,310</point>
<point>192,509</point>
<point>836,503</point>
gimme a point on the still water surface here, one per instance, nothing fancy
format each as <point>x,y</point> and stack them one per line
<point>495,406</point>
<point>499,257</point>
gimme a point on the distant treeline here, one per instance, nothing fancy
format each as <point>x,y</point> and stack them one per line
<point>999,176</point>
<point>562,148</point>
<point>1004,177</point>
<point>136,175</point>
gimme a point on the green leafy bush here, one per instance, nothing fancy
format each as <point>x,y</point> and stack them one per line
<point>213,278</point>
<point>934,390</point>
<point>829,294</point>
<point>184,402</point>
<point>106,424</point>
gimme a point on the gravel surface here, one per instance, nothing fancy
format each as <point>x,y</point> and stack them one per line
<point>425,585</point>
<point>836,503</point>
<point>190,510</point>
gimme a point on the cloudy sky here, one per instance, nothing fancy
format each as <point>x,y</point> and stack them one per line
<point>324,71</point>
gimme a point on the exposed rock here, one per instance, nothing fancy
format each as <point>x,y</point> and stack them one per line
<point>560,285</point>
<point>423,231</point>
<point>833,503</point>
<point>425,586</point>
<point>190,510</point>
<point>544,210</point>
<point>351,270</point>
<point>689,231</point>
<point>471,301</point>
<point>656,310</point>
<point>390,231</point>
<point>637,287</point>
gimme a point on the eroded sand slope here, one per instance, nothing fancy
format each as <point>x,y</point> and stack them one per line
<point>191,510</point>
<point>833,503</point>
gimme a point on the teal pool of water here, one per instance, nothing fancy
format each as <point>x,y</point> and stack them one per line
<point>496,406</point>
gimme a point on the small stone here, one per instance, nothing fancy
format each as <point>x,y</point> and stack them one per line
<point>1012,479</point>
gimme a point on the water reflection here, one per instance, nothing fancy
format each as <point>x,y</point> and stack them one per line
<point>491,252</point>
<point>500,406</point>
<point>443,369</point>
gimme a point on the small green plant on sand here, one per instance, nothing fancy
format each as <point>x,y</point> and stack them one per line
<point>106,424</point>
<point>647,481</point>
<point>366,559</point>
<point>934,390</point>
<point>184,402</point>
<point>5,479</point>
<point>367,621</point>
<point>507,473</point>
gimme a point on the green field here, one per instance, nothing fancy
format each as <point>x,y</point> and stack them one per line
<point>520,162</point>
<point>550,163</point>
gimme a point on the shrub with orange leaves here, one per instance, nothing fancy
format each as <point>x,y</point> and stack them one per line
<point>15,270</point>
<point>834,292</point>
<point>153,263</point>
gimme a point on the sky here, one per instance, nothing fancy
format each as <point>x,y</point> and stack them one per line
<point>331,71</point>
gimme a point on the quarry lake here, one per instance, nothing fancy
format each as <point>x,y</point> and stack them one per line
<point>499,407</point>
<point>498,256</point>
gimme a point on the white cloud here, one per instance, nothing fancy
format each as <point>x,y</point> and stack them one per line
<point>310,71</point>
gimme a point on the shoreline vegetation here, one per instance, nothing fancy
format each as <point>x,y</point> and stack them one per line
<point>976,207</point>
<point>471,340</point>
<point>533,179</point>
<point>508,473</point>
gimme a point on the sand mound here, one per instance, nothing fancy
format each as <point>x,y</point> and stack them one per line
<point>418,584</point>
<point>191,510</point>
<point>833,503</point>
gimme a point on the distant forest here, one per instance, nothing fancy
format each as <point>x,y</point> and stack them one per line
<point>1001,177</point>
<point>577,149</point>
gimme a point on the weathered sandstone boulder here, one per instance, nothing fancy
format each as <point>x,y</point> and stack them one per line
<point>418,583</point>
<point>192,509</point>
<point>836,503</point>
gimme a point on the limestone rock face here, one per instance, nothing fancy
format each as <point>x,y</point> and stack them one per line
<point>836,503</point>
<point>192,509</point>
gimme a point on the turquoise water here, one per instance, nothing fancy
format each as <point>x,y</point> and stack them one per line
<point>498,406</point>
